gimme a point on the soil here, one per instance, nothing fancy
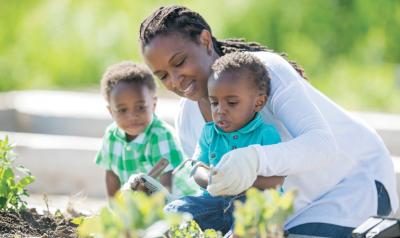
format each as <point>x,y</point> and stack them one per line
<point>30,223</point>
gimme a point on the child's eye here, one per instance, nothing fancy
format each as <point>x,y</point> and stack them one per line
<point>122,110</point>
<point>232,103</point>
<point>141,108</point>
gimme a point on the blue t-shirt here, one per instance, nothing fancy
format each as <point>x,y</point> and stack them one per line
<point>214,142</point>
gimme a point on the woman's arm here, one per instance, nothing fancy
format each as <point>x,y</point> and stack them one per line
<point>313,145</point>
<point>112,183</point>
<point>166,180</point>
<point>263,183</point>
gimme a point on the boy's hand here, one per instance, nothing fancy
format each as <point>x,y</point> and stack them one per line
<point>236,172</point>
<point>133,183</point>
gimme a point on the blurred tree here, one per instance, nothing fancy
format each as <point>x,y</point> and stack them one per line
<point>349,49</point>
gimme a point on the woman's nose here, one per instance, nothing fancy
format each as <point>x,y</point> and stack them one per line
<point>176,80</point>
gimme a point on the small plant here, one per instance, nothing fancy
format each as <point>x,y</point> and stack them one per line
<point>12,186</point>
<point>191,229</point>
<point>137,215</point>
<point>131,215</point>
<point>263,214</point>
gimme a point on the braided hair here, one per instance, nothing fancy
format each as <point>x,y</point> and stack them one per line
<point>190,24</point>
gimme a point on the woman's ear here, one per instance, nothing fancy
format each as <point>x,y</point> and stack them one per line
<point>260,102</point>
<point>206,40</point>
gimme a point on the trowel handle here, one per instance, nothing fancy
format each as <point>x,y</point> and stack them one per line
<point>158,168</point>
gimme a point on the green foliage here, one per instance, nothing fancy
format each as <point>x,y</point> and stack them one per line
<point>191,229</point>
<point>131,215</point>
<point>135,215</point>
<point>349,49</point>
<point>263,214</point>
<point>12,187</point>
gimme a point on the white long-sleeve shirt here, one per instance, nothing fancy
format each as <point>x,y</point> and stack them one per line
<point>329,157</point>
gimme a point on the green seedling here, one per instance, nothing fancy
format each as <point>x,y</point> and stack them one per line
<point>132,215</point>
<point>263,214</point>
<point>12,184</point>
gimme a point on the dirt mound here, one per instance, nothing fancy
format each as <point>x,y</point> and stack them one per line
<point>31,224</point>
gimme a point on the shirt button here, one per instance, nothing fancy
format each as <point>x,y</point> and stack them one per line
<point>235,137</point>
<point>212,155</point>
<point>128,148</point>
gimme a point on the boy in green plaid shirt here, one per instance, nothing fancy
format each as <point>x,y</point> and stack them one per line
<point>137,139</point>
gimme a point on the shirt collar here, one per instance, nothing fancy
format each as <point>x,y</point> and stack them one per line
<point>140,139</point>
<point>249,127</point>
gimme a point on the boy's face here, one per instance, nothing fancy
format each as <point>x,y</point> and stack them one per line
<point>234,99</point>
<point>132,107</point>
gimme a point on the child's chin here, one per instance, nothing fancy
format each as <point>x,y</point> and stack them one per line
<point>134,133</point>
<point>228,129</point>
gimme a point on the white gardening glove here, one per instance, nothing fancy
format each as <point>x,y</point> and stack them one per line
<point>132,182</point>
<point>236,172</point>
<point>145,183</point>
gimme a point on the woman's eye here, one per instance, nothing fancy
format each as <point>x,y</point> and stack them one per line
<point>180,63</point>
<point>122,110</point>
<point>214,104</point>
<point>232,103</point>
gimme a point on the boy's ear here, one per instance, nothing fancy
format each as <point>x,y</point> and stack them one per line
<point>154,103</point>
<point>206,40</point>
<point>109,110</point>
<point>260,102</point>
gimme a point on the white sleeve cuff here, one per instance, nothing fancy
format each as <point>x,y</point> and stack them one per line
<point>263,169</point>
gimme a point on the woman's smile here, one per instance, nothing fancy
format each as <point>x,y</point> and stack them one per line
<point>189,89</point>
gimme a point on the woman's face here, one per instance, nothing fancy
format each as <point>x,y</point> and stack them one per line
<point>182,64</point>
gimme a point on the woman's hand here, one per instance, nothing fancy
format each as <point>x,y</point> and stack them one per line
<point>236,172</point>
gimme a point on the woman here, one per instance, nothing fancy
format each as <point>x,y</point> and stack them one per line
<point>340,167</point>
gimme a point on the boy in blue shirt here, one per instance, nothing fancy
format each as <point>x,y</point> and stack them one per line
<point>237,92</point>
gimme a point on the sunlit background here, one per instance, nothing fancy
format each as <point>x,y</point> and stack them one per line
<point>350,49</point>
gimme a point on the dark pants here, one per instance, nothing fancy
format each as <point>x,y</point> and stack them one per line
<point>330,230</point>
<point>208,211</point>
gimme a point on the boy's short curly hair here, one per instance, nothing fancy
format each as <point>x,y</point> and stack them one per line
<point>238,61</point>
<point>129,72</point>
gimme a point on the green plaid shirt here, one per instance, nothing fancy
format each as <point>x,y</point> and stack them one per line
<point>141,154</point>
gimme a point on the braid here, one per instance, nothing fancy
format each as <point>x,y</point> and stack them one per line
<point>172,19</point>
<point>180,19</point>
<point>240,45</point>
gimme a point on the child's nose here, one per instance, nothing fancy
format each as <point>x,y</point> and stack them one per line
<point>221,109</point>
<point>133,114</point>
